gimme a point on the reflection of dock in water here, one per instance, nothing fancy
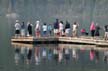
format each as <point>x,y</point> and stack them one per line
<point>69,40</point>
<point>21,45</point>
<point>70,46</point>
<point>85,47</point>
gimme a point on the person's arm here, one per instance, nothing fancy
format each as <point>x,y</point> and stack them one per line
<point>15,25</point>
<point>104,28</point>
<point>31,24</point>
<point>77,24</point>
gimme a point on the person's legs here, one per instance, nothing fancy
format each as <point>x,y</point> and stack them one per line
<point>92,33</point>
<point>67,32</point>
<point>15,33</point>
<point>18,33</point>
<point>30,33</point>
<point>44,33</point>
<point>37,33</point>
<point>76,33</point>
<point>22,32</point>
<point>54,32</point>
<point>73,33</point>
<point>105,36</point>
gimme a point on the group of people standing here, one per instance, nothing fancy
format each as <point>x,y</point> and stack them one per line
<point>58,28</point>
<point>20,29</point>
<point>95,30</point>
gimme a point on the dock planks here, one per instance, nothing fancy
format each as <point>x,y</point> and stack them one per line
<point>70,40</point>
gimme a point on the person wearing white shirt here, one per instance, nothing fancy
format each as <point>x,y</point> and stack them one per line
<point>75,29</point>
<point>61,28</point>
<point>44,29</point>
<point>17,28</point>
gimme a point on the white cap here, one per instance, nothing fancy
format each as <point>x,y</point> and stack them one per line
<point>37,21</point>
<point>17,20</point>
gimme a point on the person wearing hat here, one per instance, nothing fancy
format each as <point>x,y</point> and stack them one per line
<point>17,28</point>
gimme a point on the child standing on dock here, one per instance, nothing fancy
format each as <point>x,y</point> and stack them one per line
<point>37,29</point>
<point>29,28</point>
<point>44,29</point>
<point>23,29</point>
<point>50,29</point>
<point>17,28</point>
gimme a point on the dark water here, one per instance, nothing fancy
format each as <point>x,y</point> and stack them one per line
<point>83,11</point>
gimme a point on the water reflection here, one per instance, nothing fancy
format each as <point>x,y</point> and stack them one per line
<point>37,55</point>
<point>106,56</point>
<point>17,55</point>
<point>59,54</point>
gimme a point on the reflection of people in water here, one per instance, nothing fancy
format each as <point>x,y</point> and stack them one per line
<point>106,56</point>
<point>67,55</point>
<point>17,55</point>
<point>37,55</point>
<point>92,53</point>
<point>50,54</point>
<point>74,54</point>
<point>29,55</point>
<point>55,53</point>
<point>23,54</point>
<point>60,55</point>
<point>44,54</point>
<point>97,55</point>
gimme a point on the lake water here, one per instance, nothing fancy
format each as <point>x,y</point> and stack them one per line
<point>57,57</point>
<point>82,11</point>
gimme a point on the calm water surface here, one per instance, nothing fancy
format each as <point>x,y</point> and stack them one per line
<point>41,57</point>
<point>58,57</point>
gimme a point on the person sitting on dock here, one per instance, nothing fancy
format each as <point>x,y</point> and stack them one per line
<point>29,29</point>
<point>106,32</point>
<point>37,29</point>
<point>44,29</point>
<point>23,29</point>
<point>83,32</point>
<point>17,28</point>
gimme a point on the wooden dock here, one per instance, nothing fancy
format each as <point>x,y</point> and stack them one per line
<point>69,40</point>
